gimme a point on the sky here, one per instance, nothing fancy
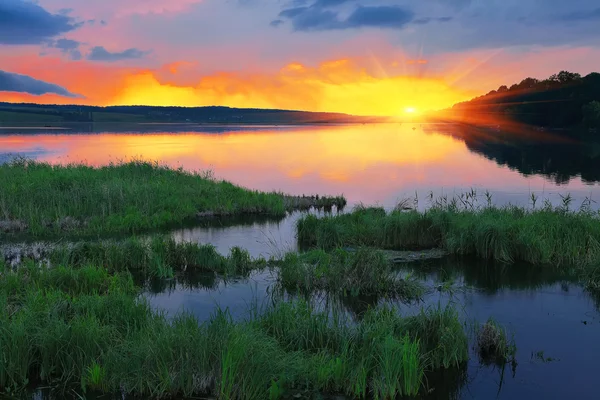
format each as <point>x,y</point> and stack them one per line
<point>365,57</point>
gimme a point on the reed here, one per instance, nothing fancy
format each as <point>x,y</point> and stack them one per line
<point>364,272</point>
<point>38,199</point>
<point>157,257</point>
<point>509,234</point>
<point>493,344</point>
<point>102,336</point>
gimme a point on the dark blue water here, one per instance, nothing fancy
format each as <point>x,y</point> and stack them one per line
<point>555,322</point>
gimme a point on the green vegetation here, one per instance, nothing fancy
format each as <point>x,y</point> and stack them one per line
<point>17,112</point>
<point>564,100</point>
<point>41,199</point>
<point>365,272</point>
<point>591,278</point>
<point>84,329</point>
<point>493,344</point>
<point>509,234</point>
<point>159,257</point>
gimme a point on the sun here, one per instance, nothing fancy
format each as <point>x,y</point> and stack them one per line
<point>410,110</point>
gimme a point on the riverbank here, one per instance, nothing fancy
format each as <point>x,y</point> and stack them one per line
<point>41,199</point>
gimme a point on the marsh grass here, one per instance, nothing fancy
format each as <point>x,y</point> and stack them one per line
<point>157,257</point>
<point>509,234</point>
<point>364,272</point>
<point>442,336</point>
<point>493,344</point>
<point>591,278</point>
<point>101,336</point>
<point>128,197</point>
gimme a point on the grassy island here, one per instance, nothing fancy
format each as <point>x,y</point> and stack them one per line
<point>42,199</point>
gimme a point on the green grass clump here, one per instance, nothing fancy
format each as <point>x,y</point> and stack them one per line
<point>442,336</point>
<point>363,272</point>
<point>493,344</point>
<point>508,234</point>
<point>128,197</point>
<point>159,257</point>
<point>125,197</point>
<point>101,336</point>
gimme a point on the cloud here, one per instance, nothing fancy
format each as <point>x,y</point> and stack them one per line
<point>99,53</point>
<point>426,20</point>
<point>393,17</point>
<point>24,23</point>
<point>276,22</point>
<point>316,18</point>
<point>581,16</point>
<point>67,47</point>
<point>10,82</point>
<point>330,3</point>
<point>66,44</point>
<point>293,12</point>
<point>456,4</point>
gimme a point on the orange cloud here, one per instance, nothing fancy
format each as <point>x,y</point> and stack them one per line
<point>343,85</point>
<point>337,86</point>
<point>362,86</point>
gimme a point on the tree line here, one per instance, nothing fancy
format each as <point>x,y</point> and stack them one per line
<point>564,100</point>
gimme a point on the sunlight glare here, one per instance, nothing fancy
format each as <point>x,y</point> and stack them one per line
<point>410,110</point>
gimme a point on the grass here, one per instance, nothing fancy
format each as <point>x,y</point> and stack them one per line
<point>508,234</point>
<point>493,344</point>
<point>99,335</point>
<point>42,199</point>
<point>157,257</point>
<point>365,272</point>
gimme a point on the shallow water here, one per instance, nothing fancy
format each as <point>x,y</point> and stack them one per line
<point>550,315</point>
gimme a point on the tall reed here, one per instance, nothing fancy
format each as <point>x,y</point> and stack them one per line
<point>101,336</point>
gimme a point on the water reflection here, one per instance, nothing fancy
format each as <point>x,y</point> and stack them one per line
<point>549,314</point>
<point>533,153</point>
<point>373,164</point>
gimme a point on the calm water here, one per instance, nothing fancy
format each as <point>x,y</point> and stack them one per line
<point>545,313</point>
<point>370,164</point>
<point>373,164</point>
<point>380,164</point>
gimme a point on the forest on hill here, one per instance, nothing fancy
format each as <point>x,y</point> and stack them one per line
<point>564,100</point>
<point>56,114</point>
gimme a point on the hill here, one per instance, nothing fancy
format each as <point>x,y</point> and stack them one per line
<point>12,113</point>
<point>564,100</point>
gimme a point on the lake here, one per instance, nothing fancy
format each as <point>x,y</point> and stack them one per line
<point>556,323</point>
<point>378,164</point>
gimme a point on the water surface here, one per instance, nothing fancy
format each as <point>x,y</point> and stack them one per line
<point>554,321</point>
<point>373,164</point>
<point>380,165</point>
<point>377,164</point>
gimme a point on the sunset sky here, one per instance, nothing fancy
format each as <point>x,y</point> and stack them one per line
<point>378,57</point>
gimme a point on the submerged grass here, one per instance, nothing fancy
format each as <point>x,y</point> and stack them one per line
<point>493,344</point>
<point>100,336</point>
<point>365,272</point>
<point>508,234</point>
<point>39,199</point>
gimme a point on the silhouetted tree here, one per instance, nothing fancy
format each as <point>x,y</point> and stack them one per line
<point>554,102</point>
<point>591,114</point>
